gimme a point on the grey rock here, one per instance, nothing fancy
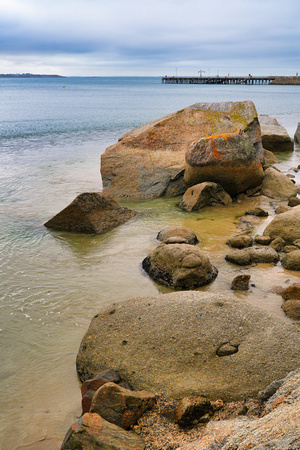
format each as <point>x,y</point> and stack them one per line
<point>204,194</point>
<point>274,136</point>
<point>172,343</point>
<point>297,134</point>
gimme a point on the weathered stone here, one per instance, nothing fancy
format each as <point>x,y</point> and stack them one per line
<point>253,255</point>
<point>292,309</point>
<point>290,248</point>
<point>291,261</point>
<point>294,201</point>
<point>229,159</point>
<point>121,406</point>
<point>240,283</point>
<point>257,211</point>
<point>277,429</point>
<point>282,209</point>
<point>240,241</point>
<point>180,235</point>
<point>285,225</point>
<point>149,161</point>
<point>86,401</point>
<point>277,185</point>
<point>269,158</point>
<point>263,240</point>
<point>91,213</point>
<point>297,134</point>
<point>247,223</point>
<point>190,409</point>
<point>180,266</point>
<point>278,244</point>
<point>99,380</point>
<point>172,343</point>
<point>274,136</point>
<point>93,432</point>
<point>292,292</point>
<point>204,194</point>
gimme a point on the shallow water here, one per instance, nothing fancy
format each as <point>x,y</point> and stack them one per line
<point>54,282</point>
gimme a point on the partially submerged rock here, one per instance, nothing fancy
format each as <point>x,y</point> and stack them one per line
<point>291,261</point>
<point>277,185</point>
<point>229,159</point>
<point>180,266</point>
<point>240,283</point>
<point>240,241</point>
<point>253,255</point>
<point>274,136</point>
<point>91,213</point>
<point>173,340</point>
<point>177,235</point>
<point>292,309</point>
<point>285,225</point>
<point>297,134</point>
<point>204,194</point>
<point>149,161</point>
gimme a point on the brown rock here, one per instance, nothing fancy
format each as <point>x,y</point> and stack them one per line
<point>292,309</point>
<point>277,185</point>
<point>274,136</point>
<point>180,235</point>
<point>240,283</point>
<point>99,380</point>
<point>269,158</point>
<point>263,240</point>
<point>180,266</point>
<point>240,241</point>
<point>285,225</point>
<point>86,401</point>
<point>253,255</point>
<point>229,159</point>
<point>204,194</point>
<point>93,432</point>
<point>282,209</point>
<point>291,292</point>
<point>291,261</point>
<point>290,248</point>
<point>149,161</point>
<point>294,201</point>
<point>121,406</point>
<point>257,211</point>
<point>91,213</point>
<point>278,244</point>
<point>190,409</point>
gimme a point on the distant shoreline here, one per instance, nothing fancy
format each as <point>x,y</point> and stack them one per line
<point>28,75</point>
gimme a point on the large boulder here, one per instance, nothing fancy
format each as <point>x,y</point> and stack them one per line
<point>285,225</point>
<point>180,266</point>
<point>274,136</point>
<point>297,134</point>
<point>91,212</point>
<point>204,194</point>
<point>229,159</point>
<point>149,161</point>
<point>277,185</point>
<point>277,429</point>
<point>174,342</point>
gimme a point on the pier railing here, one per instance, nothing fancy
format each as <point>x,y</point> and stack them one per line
<point>217,80</point>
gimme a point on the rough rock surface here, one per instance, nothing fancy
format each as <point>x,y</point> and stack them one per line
<point>278,429</point>
<point>93,432</point>
<point>240,283</point>
<point>285,225</point>
<point>291,261</point>
<point>229,159</point>
<point>294,201</point>
<point>91,212</point>
<point>190,409</point>
<point>170,342</point>
<point>277,185</point>
<point>263,240</point>
<point>253,255</point>
<point>180,266</point>
<point>257,211</point>
<point>149,161</point>
<point>179,235</point>
<point>121,406</point>
<point>291,292</point>
<point>278,244</point>
<point>269,158</point>
<point>292,309</point>
<point>240,241</point>
<point>204,194</point>
<point>274,136</point>
<point>297,134</point>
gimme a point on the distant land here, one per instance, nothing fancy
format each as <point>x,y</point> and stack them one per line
<point>27,75</point>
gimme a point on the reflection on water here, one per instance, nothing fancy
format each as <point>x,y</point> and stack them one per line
<point>54,282</point>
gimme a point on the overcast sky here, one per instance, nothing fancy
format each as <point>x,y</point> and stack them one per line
<point>157,37</point>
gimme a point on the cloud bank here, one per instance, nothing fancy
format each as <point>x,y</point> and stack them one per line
<point>119,37</point>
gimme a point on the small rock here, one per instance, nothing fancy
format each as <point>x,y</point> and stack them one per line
<point>292,309</point>
<point>259,212</point>
<point>251,255</point>
<point>294,201</point>
<point>190,410</point>
<point>179,235</point>
<point>227,349</point>
<point>278,244</point>
<point>204,194</point>
<point>240,283</point>
<point>240,241</point>
<point>263,240</point>
<point>121,406</point>
<point>291,292</point>
<point>282,209</point>
<point>290,248</point>
<point>291,261</point>
<point>99,380</point>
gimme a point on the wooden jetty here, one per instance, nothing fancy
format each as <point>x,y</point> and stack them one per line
<point>218,80</point>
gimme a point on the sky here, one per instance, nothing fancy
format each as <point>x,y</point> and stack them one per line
<point>150,38</point>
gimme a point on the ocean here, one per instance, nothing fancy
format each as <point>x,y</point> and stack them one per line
<point>52,133</point>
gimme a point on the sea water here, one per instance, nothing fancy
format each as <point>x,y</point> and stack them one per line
<point>52,133</point>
